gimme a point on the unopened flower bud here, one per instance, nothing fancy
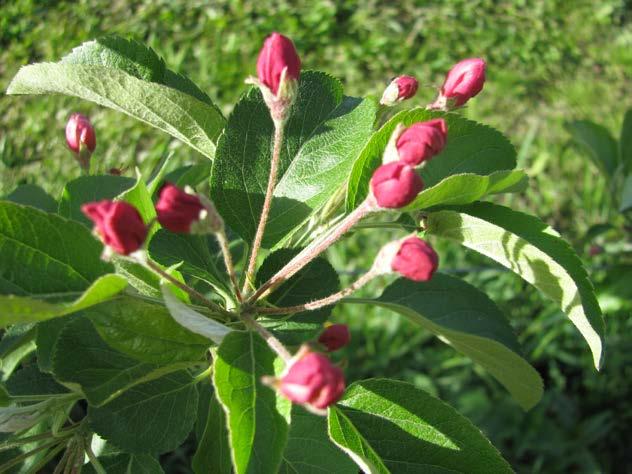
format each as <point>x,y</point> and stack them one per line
<point>421,141</point>
<point>400,88</point>
<point>313,380</point>
<point>278,70</point>
<point>81,138</point>
<point>464,81</point>
<point>395,185</point>
<point>118,223</point>
<point>184,212</point>
<point>335,337</point>
<point>415,259</point>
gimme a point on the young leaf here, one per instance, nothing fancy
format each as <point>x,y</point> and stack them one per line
<point>471,148</point>
<point>177,113</point>
<point>125,463</point>
<point>598,143</point>
<point>33,195</point>
<point>88,189</point>
<point>43,253</point>
<point>190,175</point>
<point>146,331</point>
<point>190,319</point>
<point>213,450</point>
<point>309,450</point>
<point>625,143</point>
<point>391,426</point>
<point>322,138</point>
<point>528,247</point>
<point>258,419</point>
<point>21,310</point>
<point>17,343</point>
<point>467,188</point>
<point>139,197</point>
<point>151,417</point>
<point>471,323</point>
<point>316,280</point>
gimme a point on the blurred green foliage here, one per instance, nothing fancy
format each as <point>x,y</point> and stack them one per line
<point>549,61</point>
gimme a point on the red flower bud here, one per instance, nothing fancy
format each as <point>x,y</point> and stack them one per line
<point>118,223</point>
<point>313,380</point>
<point>421,141</point>
<point>177,210</point>
<point>335,337</point>
<point>278,53</point>
<point>79,131</point>
<point>415,259</point>
<point>395,185</point>
<point>400,88</point>
<point>464,81</point>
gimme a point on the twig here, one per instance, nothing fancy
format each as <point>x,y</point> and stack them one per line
<point>272,341</point>
<point>267,203</point>
<point>313,250</point>
<point>228,261</point>
<point>331,299</point>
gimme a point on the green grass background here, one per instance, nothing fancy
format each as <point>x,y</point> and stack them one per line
<point>549,61</point>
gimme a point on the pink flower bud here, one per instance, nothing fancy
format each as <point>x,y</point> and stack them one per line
<point>415,259</point>
<point>421,141</point>
<point>400,88</point>
<point>313,380</point>
<point>395,185</point>
<point>177,209</point>
<point>464,81</point>
<point>118,223</point>
<point>277,54</point>
<point>335,337</point>
<point>79,131</point>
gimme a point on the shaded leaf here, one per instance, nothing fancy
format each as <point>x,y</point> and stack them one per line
<point>597,142</point>
<point>213,450</point>
<point>125,463</point>
<point>625,142</point>
<point>33,195</point>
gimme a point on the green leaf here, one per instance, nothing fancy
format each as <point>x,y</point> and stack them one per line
<point>317,279</point>
<point>139,197</point>
<point>471,323</point>
<point>152,417</point>
<point>43,253</point>
<point>125,463</point>
<point>213,451</point>
<point>323,135</point>
<point>626,195</point>
<point>197,255</point>
<point>471,148</point>
<point>22,310</point>
<point>625,143</point>
<point>467,188</point>
<point>30,381</point>
<point>82,358</point>
<point>190,319</point>
<point>530,248</point>
<point>180,114</point>
<point>88,189</point>
<point>409,431</point>
<point>309,450</point>
<point>146,331</point>
<point>258,419</point>
<point>597,142</point>
<point>33,195</point>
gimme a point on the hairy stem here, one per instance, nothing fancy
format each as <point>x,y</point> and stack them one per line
<point>267,336</point>
<point>329,300</point>
<point>267,203</point>
<point>314,250</point>
<point>228,261</point>
<point>196,294</point>
<point>98,467</point>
